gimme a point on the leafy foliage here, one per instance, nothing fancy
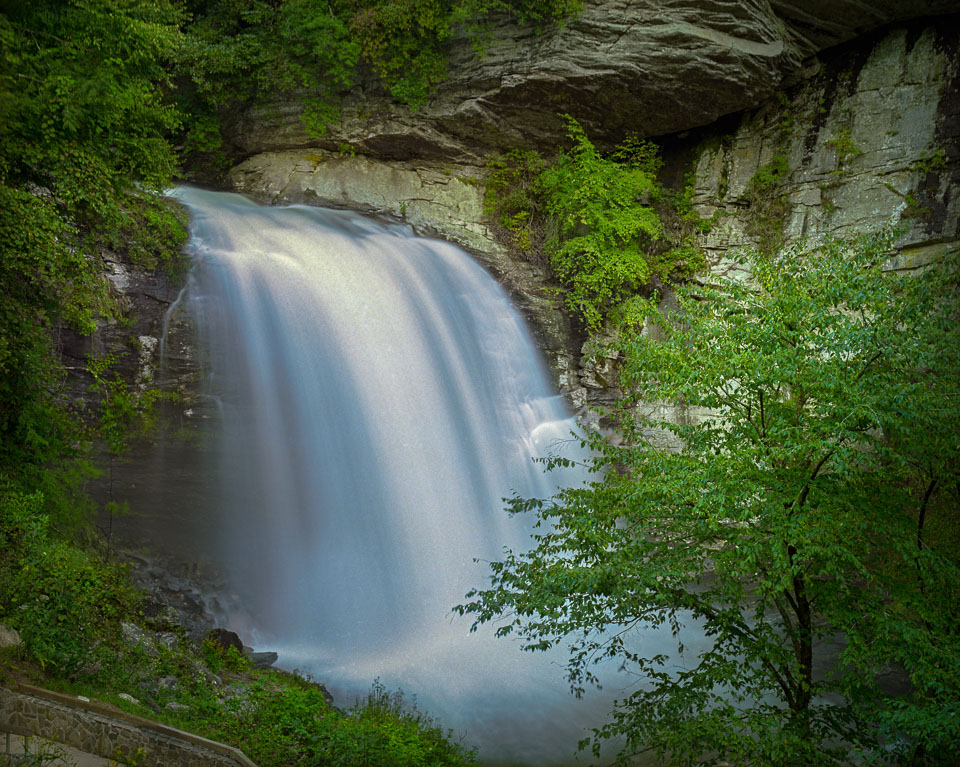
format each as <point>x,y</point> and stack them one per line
<point>61,599</point>
<point>594,216</point>
<point>124,412</point>
<point>605,224</point>
<point>807,519</point>
<point>83,153</point>
<point>768,203</point>
<point>294,725</point>
<point>513,198</point>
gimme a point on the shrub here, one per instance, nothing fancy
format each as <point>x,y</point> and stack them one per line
<point>61,599</point>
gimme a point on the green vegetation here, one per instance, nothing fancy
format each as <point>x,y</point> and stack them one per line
<point>930,162</point>
<point>37,752</point>
<point>593,218</point>
<point>285,721</point>
<point>75,613</point>
<point>83,154</point>
<point>61,599</point>
<point>845,147</point>
<point>768,203</point>
<point>807,520</point>
<point>513,199</point>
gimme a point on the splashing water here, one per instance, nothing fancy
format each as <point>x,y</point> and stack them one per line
<point>380,397</point>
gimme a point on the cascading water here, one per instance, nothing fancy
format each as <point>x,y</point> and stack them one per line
<point>379,398</point>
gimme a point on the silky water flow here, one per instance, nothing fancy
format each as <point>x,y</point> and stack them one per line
<point>378,398</point>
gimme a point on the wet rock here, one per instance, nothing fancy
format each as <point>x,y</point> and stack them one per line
<point>262,659</point>
<point>225,639</point>
<point>175,600</point>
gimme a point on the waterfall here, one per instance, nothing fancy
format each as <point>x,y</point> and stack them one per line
<point>380,397</point>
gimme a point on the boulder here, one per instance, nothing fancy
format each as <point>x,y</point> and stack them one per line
<point>128,698</point>
<point>262,659</point>
<point>8,637</point>
<point>136,636</point>
<point>225,639</point>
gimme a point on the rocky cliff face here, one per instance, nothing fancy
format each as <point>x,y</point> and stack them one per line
<point>866,133</point>
<point>152,346</point>
<point>162,475</point>
<point>620,66</point>
<point>872,137</point>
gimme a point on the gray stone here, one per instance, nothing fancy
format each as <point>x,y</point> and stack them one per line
<point>856,152</point>
<point>262,659</point>
<point>128,698</point>
<point>133,633</point>
<point>167,639</point>
<point>8,637</point>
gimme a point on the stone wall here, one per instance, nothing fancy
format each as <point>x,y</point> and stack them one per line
<point>96,729</point>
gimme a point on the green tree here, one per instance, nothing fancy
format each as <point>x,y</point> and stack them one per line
<point>83,155</point>
<point>806,519</point>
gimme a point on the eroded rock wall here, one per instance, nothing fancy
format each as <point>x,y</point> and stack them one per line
<point>871,138</point>
<point>620,66</point>
<point>870,134</point>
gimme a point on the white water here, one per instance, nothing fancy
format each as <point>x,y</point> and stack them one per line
<point>380,396</point>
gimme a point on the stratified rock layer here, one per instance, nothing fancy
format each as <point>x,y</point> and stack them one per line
<point>620,66</point>
<point>873,138</point>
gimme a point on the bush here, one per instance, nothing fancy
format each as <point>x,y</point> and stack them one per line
<point>61,599</point>
<point>285,721</point>
<point>594,219</point>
